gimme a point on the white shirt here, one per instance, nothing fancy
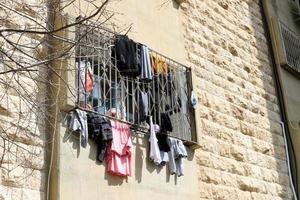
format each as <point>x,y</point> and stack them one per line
<point>154,149</point>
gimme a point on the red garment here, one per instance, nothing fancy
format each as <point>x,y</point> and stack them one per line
<point>89,80</point>
<point>119,151</point>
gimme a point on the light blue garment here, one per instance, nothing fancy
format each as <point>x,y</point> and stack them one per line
<point>176,153</point>
<point>146,69</point>
<point>97,94</point>
<point>78,123</point>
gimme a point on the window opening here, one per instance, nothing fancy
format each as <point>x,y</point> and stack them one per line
<point>291,44</point>
<point>101,86</point>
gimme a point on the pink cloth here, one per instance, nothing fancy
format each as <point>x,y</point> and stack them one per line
<point>89,80</point>
<point>119,152</point>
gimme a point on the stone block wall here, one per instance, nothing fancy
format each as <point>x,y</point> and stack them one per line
<point>242,154</point>
<point>22,98</point>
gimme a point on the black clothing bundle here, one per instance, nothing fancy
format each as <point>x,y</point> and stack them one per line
<point>126,55</point>
<point>162,140</point>
<point>100,132</point>
<point>166,124</point>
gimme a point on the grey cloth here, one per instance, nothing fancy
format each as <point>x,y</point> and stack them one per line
<point>142,112</point>
<point>176,153</point>
<point>99,131</point>
<point>78,123</point>
<point>145,101</point>
<point>82,67</point>
<point>164,158</point>
<point>97,94</point>
<point>146,70</point>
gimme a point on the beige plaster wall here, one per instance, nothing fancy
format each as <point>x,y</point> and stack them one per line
<point>80,177</point>
<point>241,153</point>
<point>155,23</point>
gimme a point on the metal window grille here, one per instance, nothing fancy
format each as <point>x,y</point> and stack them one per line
<point>291,44</point>
<point>168,93</point>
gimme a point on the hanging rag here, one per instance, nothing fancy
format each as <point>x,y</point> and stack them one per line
<point>163,145</point>
<point>154,149</point>
<point>146,69</point>
<point>126,55</point>
<point>194,100</point>
<point>166,124</point>
<point>120,150</point>
<point>86,81</point>
<point>159,64</point>
<point>100,132</point>
<point>78,123</point>
<point>177,152</point>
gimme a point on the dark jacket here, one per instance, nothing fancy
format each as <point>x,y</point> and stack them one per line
<point>126,54</point>
<point>99,131</point>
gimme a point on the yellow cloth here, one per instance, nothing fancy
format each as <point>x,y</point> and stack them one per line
<point>159,64</point>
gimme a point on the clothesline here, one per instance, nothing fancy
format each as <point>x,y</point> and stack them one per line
<point>94,25</point>
<point>141,130</point>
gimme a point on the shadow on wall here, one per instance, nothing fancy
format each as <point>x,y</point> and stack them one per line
<point>140,158</point>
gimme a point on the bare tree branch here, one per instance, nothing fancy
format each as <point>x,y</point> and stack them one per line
<point>61,28</point>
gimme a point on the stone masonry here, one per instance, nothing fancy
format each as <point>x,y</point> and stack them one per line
<point>242,154</point>
<point>22,114</point>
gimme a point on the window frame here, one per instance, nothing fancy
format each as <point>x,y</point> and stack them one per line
<point>192,141</point>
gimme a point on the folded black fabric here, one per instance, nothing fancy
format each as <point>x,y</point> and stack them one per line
<point>127,56</point>
<point>165,124</point>
<point>163,144</point>
<point>100,132</point>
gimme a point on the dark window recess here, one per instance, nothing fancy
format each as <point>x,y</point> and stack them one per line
<point>101,87</point>
<point>291,44</point>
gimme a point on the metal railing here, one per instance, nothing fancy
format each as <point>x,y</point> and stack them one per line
<point>101,87</point>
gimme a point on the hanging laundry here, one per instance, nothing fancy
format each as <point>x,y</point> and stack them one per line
<point>141,111</point>
<point>86,81</point>
<point>164,158</point>
<point>100,132</point>
<point>154,149</point>
<point>146,69</point>
<point>89,79</point>
<point>145,102</point>
<point>166,86</point>
<point>194,99</point>
<point>178,95</point>
<point>126,56</point>
<point>97,95</point>
<point>163,145</point>
<point>119,152</point>
<point>122,110</point>
<point>159,64</point>
<point>177,152</point>
<point>78,123</point>
<point>144,106</point>
<point>166,124</point>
